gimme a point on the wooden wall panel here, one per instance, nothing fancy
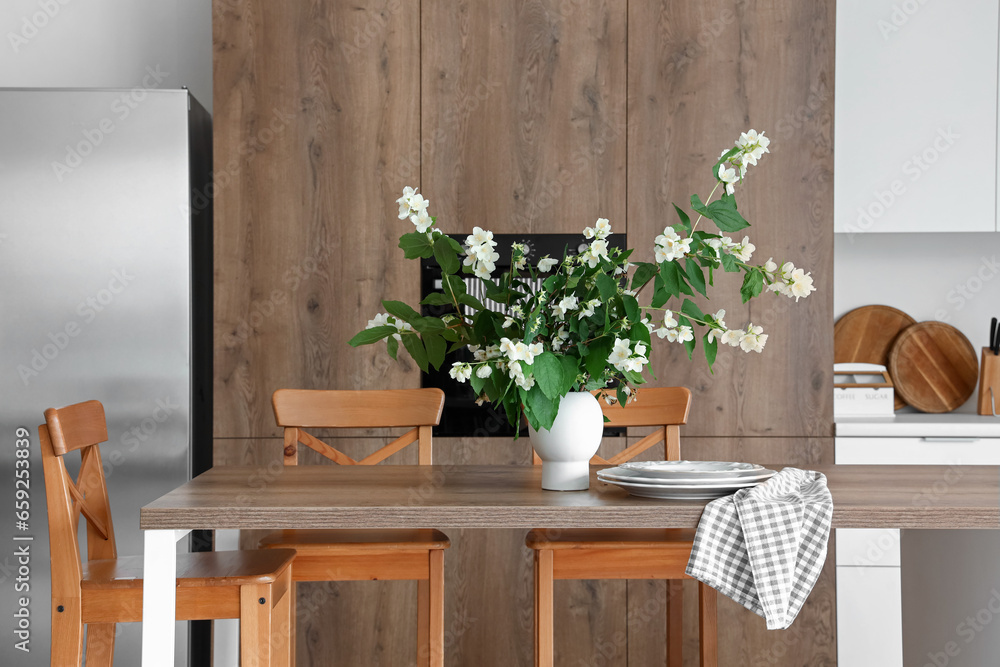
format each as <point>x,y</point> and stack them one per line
<point>519,116</point>
<point>523,114</point>
<point>305,228</point>
<point>699,74</point>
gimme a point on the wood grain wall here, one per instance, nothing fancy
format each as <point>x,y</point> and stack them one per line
<point>518,116</point>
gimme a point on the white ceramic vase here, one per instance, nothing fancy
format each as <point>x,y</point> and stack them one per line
<point>566,448</point>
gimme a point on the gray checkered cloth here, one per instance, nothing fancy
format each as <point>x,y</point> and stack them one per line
<point>765,546</point>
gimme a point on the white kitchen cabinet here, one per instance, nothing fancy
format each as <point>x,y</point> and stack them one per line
<point>916,116</point>
<point>874,566</point>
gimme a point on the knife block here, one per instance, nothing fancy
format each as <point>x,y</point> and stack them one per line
<point>989,379</point>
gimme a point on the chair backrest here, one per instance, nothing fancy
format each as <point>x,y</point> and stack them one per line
<point>666,407</point>
<point>80,427</point>
<point>299,409</point>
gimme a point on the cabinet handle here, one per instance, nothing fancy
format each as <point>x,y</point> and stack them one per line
<point>950,439</point>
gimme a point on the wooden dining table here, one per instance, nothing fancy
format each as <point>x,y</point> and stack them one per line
<point>443,497</point>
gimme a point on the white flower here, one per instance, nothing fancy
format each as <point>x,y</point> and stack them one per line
<point>525,382</point>
<point>404,202</point>
<point>482,272</point>
<point>519,263</point>
<point>718,327</point>
<point>602,228</point>
<point>732,337</point>
<point>484,371</point>
<point>670,246</point>
<point>599,248</point>
<point>588,308</point>
<point>680,335</point>
<point>623,269</point>
<point>532,351</point>
<point>480,237</point>
<point>744,250</point>
<point>620,354</point>
<point>401,326</point>
<point>418,204</point>
<point>422,220</point>
<point>508,322</point>
<point>753,339</point>
<point>565,305</point>
<point>560,339</point>
<point>668,320</point>
<point>380,320</point>
<point>770,266</point>
<point>546,263</point>
<point>729,177</point>
<point>801,284</point>
<point>753,145</point>
<point>460,371</point>
<point>640,349</point>
<point>493,352</point>
<point>508,348</point>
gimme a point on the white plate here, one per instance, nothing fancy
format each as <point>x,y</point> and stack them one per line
<point>638,476</point>
<point>672,469</point>
<point>699,492</point>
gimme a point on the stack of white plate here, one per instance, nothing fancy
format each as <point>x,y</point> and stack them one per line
<point>684,480</point>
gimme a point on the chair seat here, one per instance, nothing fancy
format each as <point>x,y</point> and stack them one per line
<point>326,541</point>
<point>196,570</point>
<point>607,538</point>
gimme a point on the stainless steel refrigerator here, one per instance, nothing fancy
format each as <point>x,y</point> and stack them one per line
<point>105,293</point>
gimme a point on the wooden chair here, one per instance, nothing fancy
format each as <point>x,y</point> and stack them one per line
<point>106,589</point>
<point>627,554</point>
<point>360,555</point>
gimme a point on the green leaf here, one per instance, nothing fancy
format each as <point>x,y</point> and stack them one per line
<point>548,374</point>
<point>541,407</point>
<point>640,333</point>
<point>392,346</point>
<point>473,302</point>
<point>696,276</point>
<point>416,349</point>
<point>631,308</point>
<point>482,326</point>
<point>416,244</point>
<point>690,309</point>
<point>725,157</point>
<point>373,335</point>
<point>455,245</point>
<point>729,263</point>
<point>698,206</point>
<point>428,325</point>
<point>622,396</point>
<point>685,220</point>
<point>753,283</point>
<point>644,272</point>
<point>727,218</point>
<point>436,299</point>
<point>597,356</point>
<point>477,383</point>
<point>436,348</point>
<point>401,310</point>
<point>660,295</point>
<point>453,285</point>
<point>445,255</point>
<point>570,370</point>
<point>711,349</point>
<point>670,273</point>
<point>607,287</point>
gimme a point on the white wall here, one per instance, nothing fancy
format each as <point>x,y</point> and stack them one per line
<point>953,278</point>
<point>107,44</point>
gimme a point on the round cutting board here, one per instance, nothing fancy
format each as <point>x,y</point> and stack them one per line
<point>933,367</point>
<point>865,335</point>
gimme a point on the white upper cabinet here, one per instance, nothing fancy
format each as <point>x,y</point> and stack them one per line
<point>916,116</point>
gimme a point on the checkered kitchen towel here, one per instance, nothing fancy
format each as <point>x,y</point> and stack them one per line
<point>765,546</point>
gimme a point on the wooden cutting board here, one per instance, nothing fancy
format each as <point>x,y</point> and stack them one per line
<point>933,367</point>
<point>865,335</point>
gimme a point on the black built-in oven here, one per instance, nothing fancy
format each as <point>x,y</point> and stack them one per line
<point>461,416</point>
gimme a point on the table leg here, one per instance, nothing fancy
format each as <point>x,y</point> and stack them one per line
<point>159,596</point>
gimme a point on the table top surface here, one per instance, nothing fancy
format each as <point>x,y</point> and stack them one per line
<point>398,496</point>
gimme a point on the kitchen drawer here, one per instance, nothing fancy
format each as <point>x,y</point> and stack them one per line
<point>918,451</point>
<point>869,617</point>
<point>872,547</point>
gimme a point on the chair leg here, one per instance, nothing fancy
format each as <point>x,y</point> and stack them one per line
<point>293,617</point>
<point>255,625</point>
<point>708,625</point>
<point>282,628</point>
<point>675,623</point>
<point>100,644</point>
<point>423,623</point>
<point>67,634</point>
<point>544,628</point>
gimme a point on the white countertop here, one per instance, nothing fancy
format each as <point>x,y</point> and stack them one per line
<point>920,425</point>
